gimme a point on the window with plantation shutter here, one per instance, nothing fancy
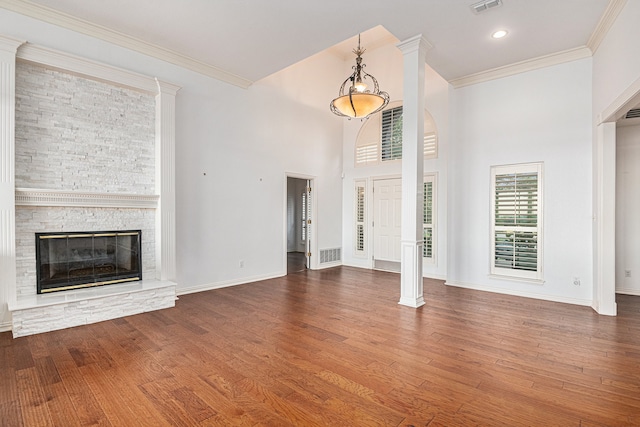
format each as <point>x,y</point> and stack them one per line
<point>428,218</point>
<point>516,215</point>
<point>380,138</point>
<point>391,145</point>
<point>430,145</point>
<point>360,207</point>
<point>367,154</point>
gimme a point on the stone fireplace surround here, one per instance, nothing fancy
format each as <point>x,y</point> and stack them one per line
<point>31,313</point>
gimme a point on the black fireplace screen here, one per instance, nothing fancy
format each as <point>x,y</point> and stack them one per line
<point>84,259</point>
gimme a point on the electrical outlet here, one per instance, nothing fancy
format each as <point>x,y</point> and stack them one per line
<point>627,273</point>
<point>576,281</point>
<point>241,263</point>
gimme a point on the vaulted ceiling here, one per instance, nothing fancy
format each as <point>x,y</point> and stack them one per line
<point>251,39</point>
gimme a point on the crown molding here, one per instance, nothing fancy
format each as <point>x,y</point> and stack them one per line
<point>606,22</point>
<point>523,66</point>
<point>84,67</point>
<point>77,65</point>
<point>40,197</point>
<point>64,20</point>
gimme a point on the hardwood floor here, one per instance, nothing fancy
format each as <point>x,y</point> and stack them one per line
<point>332,348</point>
<point>296,262</point>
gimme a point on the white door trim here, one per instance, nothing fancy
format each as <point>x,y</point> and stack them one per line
<point>604,173</point>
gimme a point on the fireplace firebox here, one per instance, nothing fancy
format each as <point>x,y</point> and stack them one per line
<point>85,259</point>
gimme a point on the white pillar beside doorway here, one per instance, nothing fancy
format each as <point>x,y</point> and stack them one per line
<point>414,52</point>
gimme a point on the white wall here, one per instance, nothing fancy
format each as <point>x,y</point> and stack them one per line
<point>386,65</point>
<point>627,208</point>
<point>616,63</point>
<point>233,149</point>
<point>538,116</point>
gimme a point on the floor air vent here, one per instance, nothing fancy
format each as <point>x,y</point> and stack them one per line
<point>330,255</point>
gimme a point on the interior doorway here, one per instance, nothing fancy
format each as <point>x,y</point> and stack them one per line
<point>298,224</point>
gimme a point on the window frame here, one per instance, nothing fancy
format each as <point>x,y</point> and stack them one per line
<point>497,271</point>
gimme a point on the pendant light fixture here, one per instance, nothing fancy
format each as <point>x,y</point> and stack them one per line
<point>354,100</point>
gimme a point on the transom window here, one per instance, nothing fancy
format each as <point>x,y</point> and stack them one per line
<point>391,134</point>
<point>380,138</point>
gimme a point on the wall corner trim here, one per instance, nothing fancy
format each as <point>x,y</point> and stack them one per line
<point>614,7</point>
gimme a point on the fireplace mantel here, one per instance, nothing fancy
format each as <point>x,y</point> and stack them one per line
<point>43,197</point>
<point>28,310</point>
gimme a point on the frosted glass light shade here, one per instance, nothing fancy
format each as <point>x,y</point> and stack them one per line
<point>358,104</point>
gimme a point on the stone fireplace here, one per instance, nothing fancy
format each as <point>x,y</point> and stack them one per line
<point>94,149</point>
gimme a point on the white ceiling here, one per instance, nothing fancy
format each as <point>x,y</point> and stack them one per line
<point>255,38</point>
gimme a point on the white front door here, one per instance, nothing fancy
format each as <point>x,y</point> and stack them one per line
<point>387,203</point>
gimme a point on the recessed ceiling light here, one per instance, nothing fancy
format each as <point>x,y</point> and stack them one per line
<point>499,34</point>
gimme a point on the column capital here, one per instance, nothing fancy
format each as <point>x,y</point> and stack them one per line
<point>167,88</point>
<point>9,44</point>
<point>415,43</point>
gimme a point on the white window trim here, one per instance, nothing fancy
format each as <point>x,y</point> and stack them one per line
<point>505,273</point>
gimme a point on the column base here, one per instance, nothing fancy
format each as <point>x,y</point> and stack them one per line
<point>411,274</point>
<point>412,302</point>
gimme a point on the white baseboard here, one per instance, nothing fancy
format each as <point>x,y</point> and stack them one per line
<point>328,265</point>
<point>227,283</point>
<point>5,326</point>
<point>434,276</point>
<point>534,295</point>
<point>628,291</point>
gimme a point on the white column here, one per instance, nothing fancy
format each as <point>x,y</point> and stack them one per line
<point>165,181</point>
<point>604,236</point>
<point>414,52</point>
<point>8,49</point>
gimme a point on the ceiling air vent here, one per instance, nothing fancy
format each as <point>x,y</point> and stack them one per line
<point>632,114</point>
<point>485,5</point>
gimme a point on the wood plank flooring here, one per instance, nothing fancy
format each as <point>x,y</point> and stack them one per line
<point>332,348</point>
<point>296,262</point>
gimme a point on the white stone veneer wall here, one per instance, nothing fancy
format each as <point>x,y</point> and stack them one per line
<point>73,133</point>
<point>78,134</point>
